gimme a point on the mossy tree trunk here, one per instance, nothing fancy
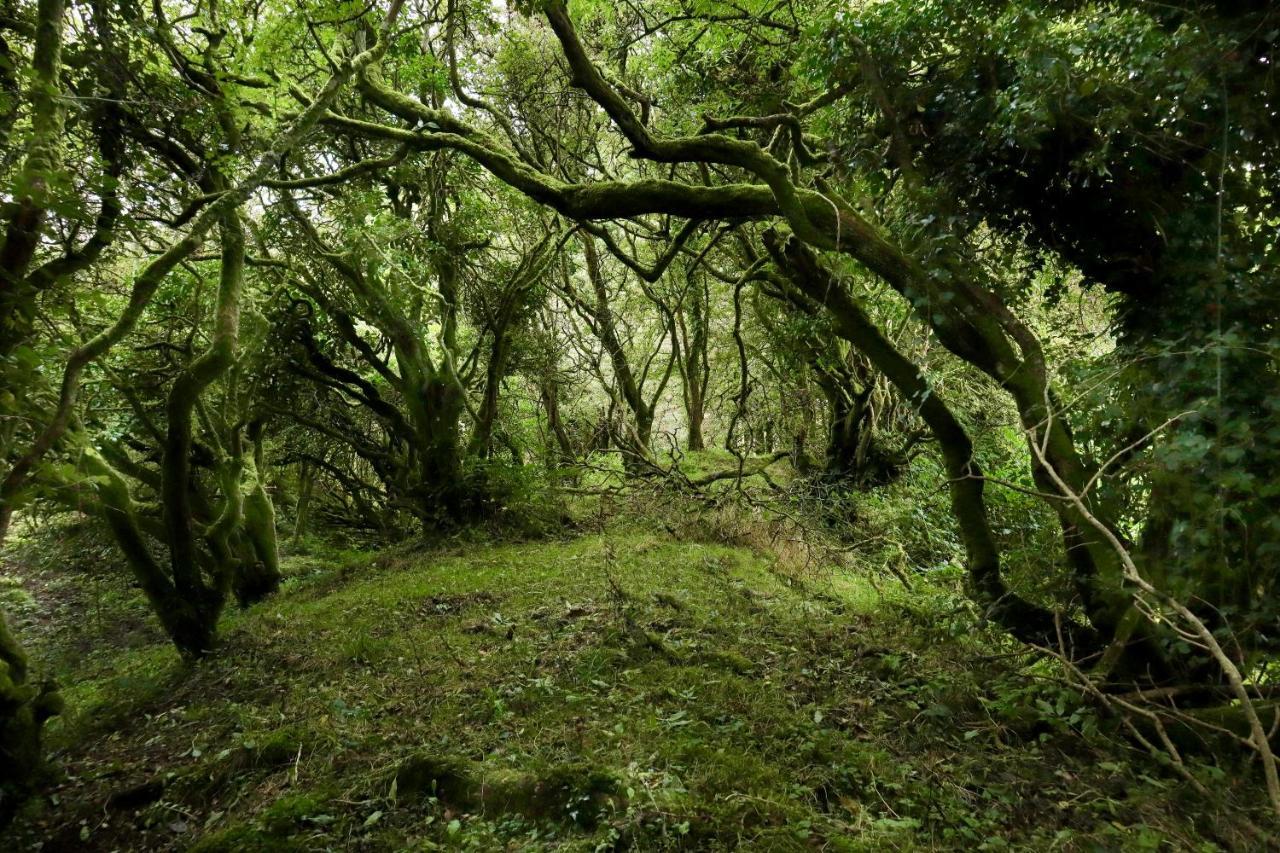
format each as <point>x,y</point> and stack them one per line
<point>203,597</point>
<point>432,394</point>
<point>512,307</point>
<point>848,426</point>
<point>437,412</point>
<point>690,339</point>
<point>34,188</point>
<point>24,708</point>
<point>302,510</point>
<point>443,402</point>
<point>258,572</point>
<point>495,371</point>
<point>638,432</point>
<point>549,392</point>
<point>1025,620</point>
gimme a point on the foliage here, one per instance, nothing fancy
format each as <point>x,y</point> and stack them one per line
<point>774,709</point>
<point>974,294</point>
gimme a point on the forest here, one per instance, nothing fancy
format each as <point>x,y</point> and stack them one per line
<point>639,425</point>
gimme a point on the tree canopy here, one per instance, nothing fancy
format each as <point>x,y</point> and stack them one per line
<point>419,267</point>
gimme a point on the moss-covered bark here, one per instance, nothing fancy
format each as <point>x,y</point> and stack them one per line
<point>1027,621</point>
<point>429,474</point>
<point>24,708</point>
<point>184,620</point>
<point>848,427</point>
<point>260,577</point>
<point>146,282</point>
<point>204,596</point>
<point>549,393</point>
<point>630,386</point>
<point>691,338</point>
<point>33,190</point>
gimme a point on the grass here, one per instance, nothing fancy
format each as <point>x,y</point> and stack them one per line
<point>619,690</point>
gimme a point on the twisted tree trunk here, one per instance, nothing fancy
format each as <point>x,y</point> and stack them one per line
<point>1025,620</point>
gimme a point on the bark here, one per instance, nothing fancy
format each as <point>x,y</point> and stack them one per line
<point>144,285</point>
<point>182,619</point>
<point>33,189</point>
<point>111,58</point>
<point>260,578</point>
<point>691,340</point>
<point>549,390</point>
<point>301,514</point>
<point>607,330</point>
<point>849,427</point>
<point>696,415</point>
<point>439,408</point>
<point>635,441</point>
<point>206,598</point>
<point>432,393</point>
<point>1025,620</point>
<point>495,370</point>
<point>24,708</point>
<point>512,309</point>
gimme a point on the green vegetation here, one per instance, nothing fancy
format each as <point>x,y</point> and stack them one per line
<point>685,423</point>
<point>614,689</point>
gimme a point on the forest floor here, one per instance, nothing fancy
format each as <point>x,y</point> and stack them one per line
<point>620,689</point>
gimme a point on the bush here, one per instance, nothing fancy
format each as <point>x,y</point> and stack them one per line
<point>512,499</point>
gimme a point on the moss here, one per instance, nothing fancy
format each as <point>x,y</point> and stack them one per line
<point>817,708</point>
<point>244,839</point>
<point>666,599</point>
<point>574,792</point>
<point>280,747</point>
<point>289,814</point>
<point>730,660</point>
<point>24,708</point>
<point>261,755</point>
<point>445,778</point>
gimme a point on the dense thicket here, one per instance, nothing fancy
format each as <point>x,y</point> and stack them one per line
<point>409,268</point>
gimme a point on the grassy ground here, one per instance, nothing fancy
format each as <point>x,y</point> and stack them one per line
<point>617,690</point>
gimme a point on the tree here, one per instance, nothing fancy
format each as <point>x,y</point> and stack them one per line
<point>517,225</point>
<point>941,278</point>
<point>186,603</point>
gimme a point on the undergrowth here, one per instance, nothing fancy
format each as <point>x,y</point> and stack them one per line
<point>692,680</point>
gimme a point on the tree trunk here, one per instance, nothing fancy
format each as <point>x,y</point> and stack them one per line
<point>1021,618</point>
<point>696,413</point>
<point>306,486</point>
<point>640,442</point>
<point>184,620</point>
<point>195,619</point>
<point>439,451</point>
<point>847,420</point>
<point>24,709</point>
<point>259,577</point>
<point>690,341</point>
<point>551,403</point>
<point>499,356</point>
<point>635,445</point>
<point>33,189</point>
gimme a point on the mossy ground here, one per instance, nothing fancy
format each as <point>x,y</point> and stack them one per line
<point>617,690</point>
